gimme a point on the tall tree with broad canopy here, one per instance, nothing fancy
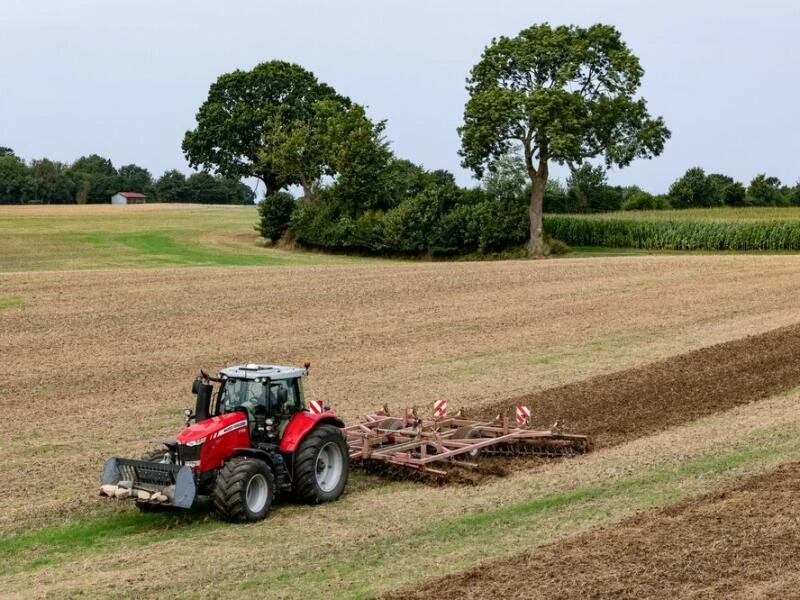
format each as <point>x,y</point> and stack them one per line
<point>564,94</point>
<point>269,123</point>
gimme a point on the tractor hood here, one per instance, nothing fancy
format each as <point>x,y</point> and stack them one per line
<point>212,428</point>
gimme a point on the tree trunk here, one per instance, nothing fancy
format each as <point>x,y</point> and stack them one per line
<point>308,186</point>
<point>536,246</point>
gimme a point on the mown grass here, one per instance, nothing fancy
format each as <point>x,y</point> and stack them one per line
<point>34,238</point>
<point>155,248</point>
<point>93,534</point>
<point>772,229</point>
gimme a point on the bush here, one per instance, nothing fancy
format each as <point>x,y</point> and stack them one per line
<point>640,200</point>
<point>275,215</point>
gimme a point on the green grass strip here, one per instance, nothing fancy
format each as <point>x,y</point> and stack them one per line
<point>11,303</point>
<point>97,535</point>
<point>158,248</point>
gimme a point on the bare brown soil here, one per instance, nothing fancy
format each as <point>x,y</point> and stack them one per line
<point>616,408</point>
<point>740,543</point>
<point>629,404</point>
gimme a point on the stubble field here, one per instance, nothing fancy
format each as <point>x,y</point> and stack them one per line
<point>648,354</point>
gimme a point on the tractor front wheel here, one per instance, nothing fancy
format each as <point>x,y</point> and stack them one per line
<point>244,490</point>
<point>321,466</point>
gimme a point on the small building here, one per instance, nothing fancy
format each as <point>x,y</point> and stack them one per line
<point>127,198</point>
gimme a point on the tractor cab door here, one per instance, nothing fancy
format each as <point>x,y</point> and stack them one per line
<point>286,400</point>
<point>285,397</point>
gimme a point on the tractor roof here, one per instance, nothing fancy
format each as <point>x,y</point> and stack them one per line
<point>255,371</point>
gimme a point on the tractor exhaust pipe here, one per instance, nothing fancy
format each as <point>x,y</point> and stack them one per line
<point>203,405</point>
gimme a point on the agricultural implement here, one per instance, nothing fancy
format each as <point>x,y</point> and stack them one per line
<point>433,446</point>
<point>252,435</point>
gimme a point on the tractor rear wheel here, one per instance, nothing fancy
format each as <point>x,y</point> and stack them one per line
<point>321,466</point>
<point>244,490</point>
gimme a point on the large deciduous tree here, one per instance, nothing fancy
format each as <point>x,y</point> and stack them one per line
<point>564,94</point>
<point>263,123</point>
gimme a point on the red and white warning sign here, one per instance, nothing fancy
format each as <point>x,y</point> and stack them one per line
<point>315,406</point>
<point>440,408</point>
<point>523,414</point>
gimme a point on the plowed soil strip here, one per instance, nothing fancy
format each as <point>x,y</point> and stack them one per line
<point>633,403</point>
<point>738,543</point>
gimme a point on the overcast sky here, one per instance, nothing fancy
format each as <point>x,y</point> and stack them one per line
<point>125,78</point>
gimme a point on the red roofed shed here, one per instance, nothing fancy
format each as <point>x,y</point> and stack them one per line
<point>127,198</point>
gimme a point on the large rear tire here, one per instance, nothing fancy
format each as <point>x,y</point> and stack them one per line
<point>244,490</point>
<point>321,466</point>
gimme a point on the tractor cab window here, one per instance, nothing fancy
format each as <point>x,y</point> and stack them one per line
<point>242,393</point>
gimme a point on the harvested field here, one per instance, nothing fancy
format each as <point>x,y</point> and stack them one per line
<point>97,362</point>
<point>738,543</point>
<point>103,359</point>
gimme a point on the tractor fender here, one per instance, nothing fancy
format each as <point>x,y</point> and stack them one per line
<point>255,453</point>
<point>301,424</point>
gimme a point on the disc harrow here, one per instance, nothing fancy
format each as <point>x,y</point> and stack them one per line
<point>381,442</point>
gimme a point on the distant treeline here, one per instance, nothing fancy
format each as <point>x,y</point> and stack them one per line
<point>587,191</point>
<point>93,180</point>
<point>408,210</point>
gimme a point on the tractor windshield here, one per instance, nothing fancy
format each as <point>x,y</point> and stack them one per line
<point>242,393</point>
<point>285,396</point>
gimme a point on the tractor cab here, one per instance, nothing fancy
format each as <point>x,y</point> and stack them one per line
<point>276,392</point>
<point>269,395</point>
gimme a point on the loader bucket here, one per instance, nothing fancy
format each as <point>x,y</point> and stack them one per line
<point>152,482</point>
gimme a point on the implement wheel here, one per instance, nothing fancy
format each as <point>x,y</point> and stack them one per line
<point>468,433</point>
<point>321,466</point>
<point>244,490</point>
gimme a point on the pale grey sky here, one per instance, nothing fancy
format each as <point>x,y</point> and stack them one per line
<point>124,78</point>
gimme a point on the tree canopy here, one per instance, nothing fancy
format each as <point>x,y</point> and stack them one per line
<point>275,122</point>
<point>563,94</point>
<point>14,179</point>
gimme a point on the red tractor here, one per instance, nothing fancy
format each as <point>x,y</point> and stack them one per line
<point>252,437</point>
